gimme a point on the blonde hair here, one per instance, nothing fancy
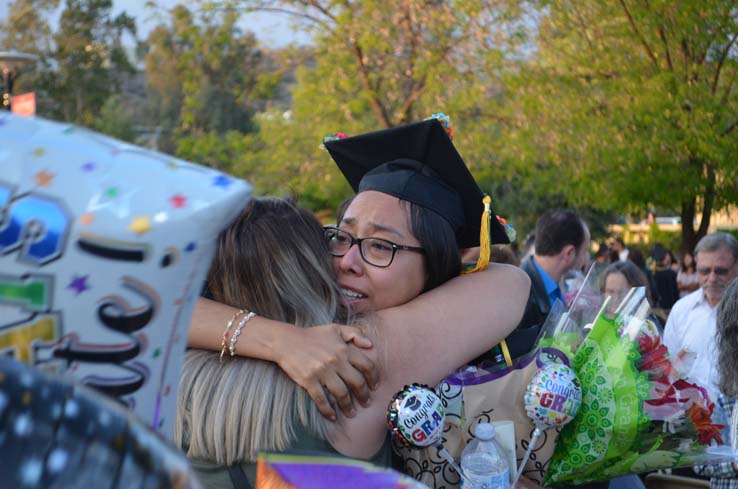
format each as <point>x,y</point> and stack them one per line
<point>272,260</point>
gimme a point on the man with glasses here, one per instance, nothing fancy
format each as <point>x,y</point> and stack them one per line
<point>690,330</point>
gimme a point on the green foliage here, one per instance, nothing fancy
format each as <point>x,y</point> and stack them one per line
<point>89,59</point>
<point>628,105</point>
<point>203,80</point>
<point>114,120</point>
<point>26,29</point>
<point>670,239</point>
<point>372,67</point>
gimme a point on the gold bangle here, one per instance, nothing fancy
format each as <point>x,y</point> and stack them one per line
<point>237,332</point>
<point>223,342</point>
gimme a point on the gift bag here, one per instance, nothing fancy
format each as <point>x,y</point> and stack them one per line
<point>473,396</point>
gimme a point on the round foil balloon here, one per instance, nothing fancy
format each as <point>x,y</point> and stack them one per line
<point>553,396</point>
<point>103,250</point>
<point>415,416</point>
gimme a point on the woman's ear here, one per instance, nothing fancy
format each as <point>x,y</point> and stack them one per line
<point>469,255</point>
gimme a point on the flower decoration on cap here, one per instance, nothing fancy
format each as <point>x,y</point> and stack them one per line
<point>445,122</point>
<point>332,137</point>
<point>509,229</point>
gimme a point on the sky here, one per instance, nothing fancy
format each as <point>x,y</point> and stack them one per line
<point>272,30</point>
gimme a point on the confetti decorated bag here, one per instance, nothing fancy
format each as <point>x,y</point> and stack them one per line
<point>103,250</point>
<point>475,396</point>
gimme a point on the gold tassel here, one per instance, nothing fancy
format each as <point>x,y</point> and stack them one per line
<point>506,353</point>
<point>485,249</point>
<point>484,239</point>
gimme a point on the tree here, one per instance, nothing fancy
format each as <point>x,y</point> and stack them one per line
<point>114,121</point>
<point>89,57</point>
<point>374,65</point>
<point>628,105</point>
<point>203,79</point>
<point>26,29</point>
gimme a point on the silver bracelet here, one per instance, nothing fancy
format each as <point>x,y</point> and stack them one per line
<point>237,332</point>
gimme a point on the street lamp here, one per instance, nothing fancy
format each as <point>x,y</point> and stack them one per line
<point>10,64</point>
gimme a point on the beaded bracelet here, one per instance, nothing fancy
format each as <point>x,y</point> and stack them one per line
<point>234,338</point>
<point>225,333</point>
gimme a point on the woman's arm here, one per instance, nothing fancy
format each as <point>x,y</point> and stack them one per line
<point>314,358</point>
<point>431,336</point>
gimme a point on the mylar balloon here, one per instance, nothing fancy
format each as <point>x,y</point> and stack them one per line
<point>415,416</point>
<point>103,251</point>
<point>553,396</point>
<point>551,399</point>
<point>55,433</point>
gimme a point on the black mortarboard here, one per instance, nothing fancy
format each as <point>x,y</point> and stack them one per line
<point>418,163</point>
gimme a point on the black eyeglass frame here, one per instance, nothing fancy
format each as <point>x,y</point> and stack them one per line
<point>358,241</point>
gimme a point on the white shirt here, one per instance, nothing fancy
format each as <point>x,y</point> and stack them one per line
<point>691,328</point>
<point>623,255</point>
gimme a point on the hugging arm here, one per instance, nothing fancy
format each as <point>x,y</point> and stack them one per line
<point>312,357</point>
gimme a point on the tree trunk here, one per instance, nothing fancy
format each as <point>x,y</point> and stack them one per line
<point>689,236</point>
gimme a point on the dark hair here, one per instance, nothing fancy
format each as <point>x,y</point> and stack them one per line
<point>658,253</point>
<point>503,254</point>
<point>683,264</point>
<point>633,275</point>
<point>603,250</point>
<point>436,237</point>
<point>341,209</point>
<point>557,228</point>
<point>620,241</point>
<point>636,257</point>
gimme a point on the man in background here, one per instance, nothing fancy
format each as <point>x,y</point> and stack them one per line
<point>690,331</point>
<point>561,245</point>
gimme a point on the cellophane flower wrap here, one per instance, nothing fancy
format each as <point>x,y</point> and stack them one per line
<point>638,413</point>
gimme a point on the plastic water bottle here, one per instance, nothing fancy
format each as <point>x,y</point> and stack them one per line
<point>483,461</point>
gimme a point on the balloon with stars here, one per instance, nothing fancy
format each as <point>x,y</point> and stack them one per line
<point>103,250</point>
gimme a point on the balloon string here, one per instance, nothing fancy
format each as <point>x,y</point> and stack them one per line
<point>531,444</point>
<point>443,453</point>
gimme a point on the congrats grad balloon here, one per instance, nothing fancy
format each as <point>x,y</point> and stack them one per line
<point>553,396</point>
<point>103,251</point>
<point>415,416</point>
<point>551,399</point>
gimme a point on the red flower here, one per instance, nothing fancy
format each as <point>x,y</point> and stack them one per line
<point>654,358</point>
<point>701,417</point>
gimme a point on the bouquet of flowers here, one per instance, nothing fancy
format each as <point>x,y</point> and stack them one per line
<point>637,413</point>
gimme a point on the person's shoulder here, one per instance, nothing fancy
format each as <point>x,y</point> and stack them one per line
<point>517,275</point>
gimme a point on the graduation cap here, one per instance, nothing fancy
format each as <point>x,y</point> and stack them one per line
<point>419,163</point>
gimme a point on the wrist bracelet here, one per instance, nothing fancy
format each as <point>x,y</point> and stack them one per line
<point>237,332</point>
<point>225,333</point>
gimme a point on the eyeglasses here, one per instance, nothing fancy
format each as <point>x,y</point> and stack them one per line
<point>377,252</point>
<point>719,271</point>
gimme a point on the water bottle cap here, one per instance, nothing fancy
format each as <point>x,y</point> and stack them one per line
<point>485,431</point>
